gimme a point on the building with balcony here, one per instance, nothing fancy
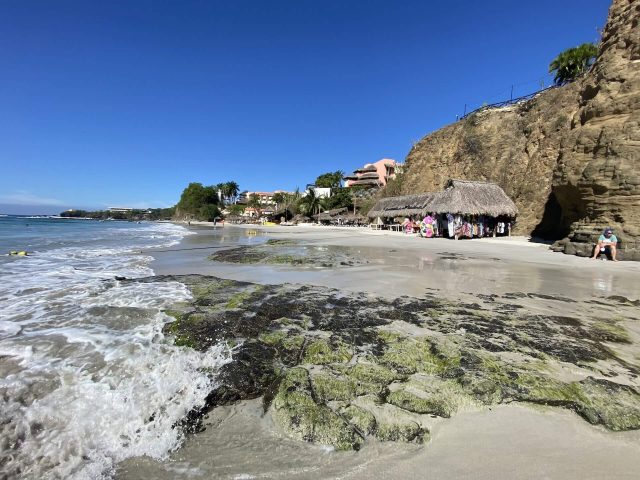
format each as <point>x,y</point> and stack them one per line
<point>374,174</point>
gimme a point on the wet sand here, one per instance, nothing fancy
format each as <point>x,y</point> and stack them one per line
<point>403,265</point>
<point>507,441</point>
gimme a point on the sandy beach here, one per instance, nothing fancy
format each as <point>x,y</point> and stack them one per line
<point>513,440</point>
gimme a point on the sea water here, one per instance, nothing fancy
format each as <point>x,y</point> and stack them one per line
<point>87,377</point>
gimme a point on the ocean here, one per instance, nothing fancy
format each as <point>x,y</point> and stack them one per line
<point>87,378</point>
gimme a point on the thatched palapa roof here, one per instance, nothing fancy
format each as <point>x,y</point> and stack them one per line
<point>368,175</point>
<point>463,197</point>
<point>300,218</point>
<point>473,198</point>
<point>368,181</point>
<point>406,205</point>
<point>330,214</point>
<point>366,169</point>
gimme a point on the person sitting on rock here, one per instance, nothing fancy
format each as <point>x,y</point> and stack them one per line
<point>606,244</point>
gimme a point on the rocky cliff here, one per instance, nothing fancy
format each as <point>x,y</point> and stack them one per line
<point>569,157</point>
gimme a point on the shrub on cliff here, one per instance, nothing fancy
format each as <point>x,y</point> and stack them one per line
<point>572,63</point>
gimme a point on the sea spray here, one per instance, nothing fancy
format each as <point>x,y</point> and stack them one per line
<point>87,377</point>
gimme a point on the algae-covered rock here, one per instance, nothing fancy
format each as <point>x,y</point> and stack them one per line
<point>273,338</point>
<point>533,387</point>
<point>360,418</point>
<point>430,395</point>
<point>298,414</point>
<point>609,331</point>
<point>411,355</point>
<point>322,352</point>
<point>329,387</point>
<point>403,432</point>
<point>615,406</point>
<point>333,367</point>
<point>373,373</point>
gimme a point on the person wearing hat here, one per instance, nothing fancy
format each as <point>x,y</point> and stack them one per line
<point>606,244</point>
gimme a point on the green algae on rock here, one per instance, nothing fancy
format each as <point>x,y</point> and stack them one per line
<point>322,352</point>
<point>335,368</point>
<point>431,395</point>
<point>362,419</point>
<point>304,418</point>
<point>288,252</point>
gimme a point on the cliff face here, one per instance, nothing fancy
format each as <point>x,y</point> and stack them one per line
<point>569,158</point>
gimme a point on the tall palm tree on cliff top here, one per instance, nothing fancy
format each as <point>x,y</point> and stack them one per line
<point>572,63</point>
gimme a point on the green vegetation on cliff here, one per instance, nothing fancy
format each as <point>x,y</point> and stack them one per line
<point>573,63</point>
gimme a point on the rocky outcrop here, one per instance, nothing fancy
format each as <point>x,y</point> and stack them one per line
<point>569,157</point>
<point>338,369</point>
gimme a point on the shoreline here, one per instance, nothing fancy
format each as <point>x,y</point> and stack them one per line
<point>411,265</point>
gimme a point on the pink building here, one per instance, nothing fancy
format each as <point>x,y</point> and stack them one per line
<point>374,174</point>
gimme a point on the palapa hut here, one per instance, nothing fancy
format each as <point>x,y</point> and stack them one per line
<point>354,219</point>
<point>330,216</point>
<point>300,218</point>
<point>466,197</point>
<point>464,209</point>
<point>405,206</point>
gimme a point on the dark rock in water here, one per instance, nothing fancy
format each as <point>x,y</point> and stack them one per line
<point>289,252</point>
<point>335,368</point>
<point>248,376</point>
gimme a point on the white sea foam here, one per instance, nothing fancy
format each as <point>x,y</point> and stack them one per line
<point>87,377</point>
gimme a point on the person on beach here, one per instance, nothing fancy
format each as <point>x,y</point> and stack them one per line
<point>606,244</point>
<point>428,226</point>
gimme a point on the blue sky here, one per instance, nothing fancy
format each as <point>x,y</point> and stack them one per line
<point>126,102</point>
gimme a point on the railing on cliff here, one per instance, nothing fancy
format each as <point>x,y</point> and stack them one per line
<point>504,103</point>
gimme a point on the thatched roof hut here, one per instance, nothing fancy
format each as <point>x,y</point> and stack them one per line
<point>463,197</point>
<point>407,205</point>
<point>467,197</point>
<point>354,218</point>
<point>330,214</point>
<point>300,218</point>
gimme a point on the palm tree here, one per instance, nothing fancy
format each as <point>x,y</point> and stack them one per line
<point>229,190</point>
<point>572,63</point>
<point>310,203</point>
<point>279,199</point>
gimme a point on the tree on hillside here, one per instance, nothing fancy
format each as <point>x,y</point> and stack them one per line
<point>330,180</point>
<point>208,212</point>
<point>340,197</point>
<point>236,209</point>
<point>572,63</point>
<point>194,198</point>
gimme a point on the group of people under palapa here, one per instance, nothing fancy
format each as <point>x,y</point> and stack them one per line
<point>456,226</point>
<point>464,209</point>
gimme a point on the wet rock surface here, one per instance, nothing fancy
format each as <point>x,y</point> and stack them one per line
<point>335,368</point>
<point>289,252</point>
